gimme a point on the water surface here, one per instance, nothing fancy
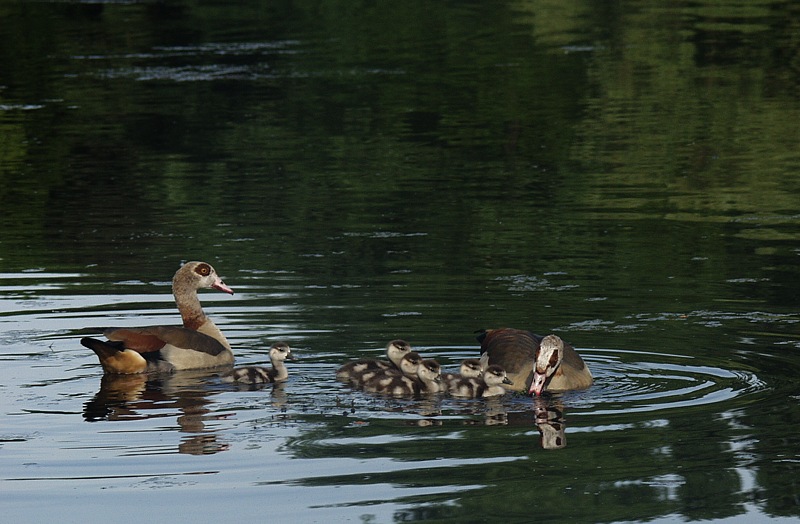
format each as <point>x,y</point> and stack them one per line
<point>625,176</point>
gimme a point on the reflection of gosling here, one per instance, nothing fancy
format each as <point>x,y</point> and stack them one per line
<point>278,353</point>
<point>426,381</point>
<point>489,385</point>
<point>359,371</point>
<point>470,368</point>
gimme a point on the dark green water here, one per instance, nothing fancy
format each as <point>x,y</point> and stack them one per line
<point>626,175</point>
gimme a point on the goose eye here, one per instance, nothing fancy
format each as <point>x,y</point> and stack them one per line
<point>203,270</point>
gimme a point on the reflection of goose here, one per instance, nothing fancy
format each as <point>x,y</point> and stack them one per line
<point>359,371</point>
<point>197,344</point>
<point>426,381</point>
<point>470,368</point>
<point>550,421</point>
<point>534,364</point>
<point>488,385</point>
<point>143,396</point>
<point>278,354</point>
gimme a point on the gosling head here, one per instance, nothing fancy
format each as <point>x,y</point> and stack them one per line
<point>429,371</point>
<point>495,376</point>
<point>470,368</point>
<point>280,351</point>
<point>410,364</point>
<point>396,350</point>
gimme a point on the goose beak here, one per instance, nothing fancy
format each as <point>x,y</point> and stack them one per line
<point>507,381</point>
<point>220,285</point>
<point>537,386</point>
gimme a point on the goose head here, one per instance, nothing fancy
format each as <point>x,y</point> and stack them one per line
<point>548,358</point>
<point>199,275</point>
<point>396,350</point>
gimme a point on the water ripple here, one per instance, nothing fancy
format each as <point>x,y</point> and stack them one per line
<point>644,381</point>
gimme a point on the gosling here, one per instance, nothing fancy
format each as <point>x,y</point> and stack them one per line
<point>488,385</point>
<point>359,371</point>
<point>278,354</point>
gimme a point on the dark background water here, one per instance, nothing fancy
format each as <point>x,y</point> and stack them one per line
<point>624,174</point>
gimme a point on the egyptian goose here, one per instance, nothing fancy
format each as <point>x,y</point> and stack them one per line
<point>359,371</point>
<point>197,344</point>
<point>470,368</point>
<point>488,385</point>
<point>426,381</point>
<point>533,363</point>
<point>278,354</point>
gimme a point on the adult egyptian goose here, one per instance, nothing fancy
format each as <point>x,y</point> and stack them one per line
<point>279,353</point>
<point>533,363</point>
<point>359,371</point>
<point>470,368</point>
<point>489,384</point>
<point>195,345</point>
<point>426,381</point>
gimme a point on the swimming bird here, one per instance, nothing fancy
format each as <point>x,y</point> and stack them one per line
<point>359,371</point>
<point>278,354</point>
<point>426,381</point>
<point>197,344</point>
<point>488,385</point>
<point>470,368</point>
<point>408,367</point>
<point>534,363</point>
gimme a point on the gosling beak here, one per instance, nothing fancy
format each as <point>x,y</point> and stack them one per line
<point>507,381</point>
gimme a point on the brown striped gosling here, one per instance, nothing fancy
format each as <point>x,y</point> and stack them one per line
<point>488,385</point>
<point>426,381</point>
<point>470,368</point>
<point>359,371</point>
<point>278,354</point>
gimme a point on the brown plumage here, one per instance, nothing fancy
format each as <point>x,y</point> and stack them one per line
<point>196,344</point>
<point>525,356</point>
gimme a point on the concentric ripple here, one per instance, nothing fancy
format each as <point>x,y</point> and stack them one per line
<point>639,381</point>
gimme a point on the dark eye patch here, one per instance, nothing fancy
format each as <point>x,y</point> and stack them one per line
<point>203,270</point>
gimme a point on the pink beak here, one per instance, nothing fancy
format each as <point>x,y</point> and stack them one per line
<point>220,285</point>
<point>537,386</point>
